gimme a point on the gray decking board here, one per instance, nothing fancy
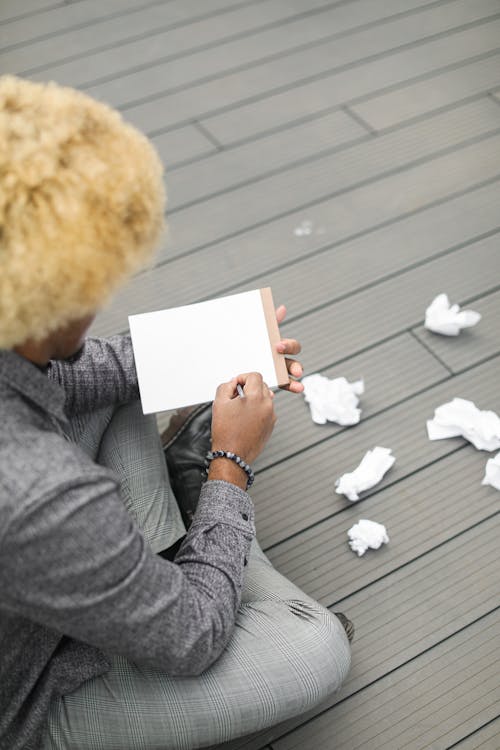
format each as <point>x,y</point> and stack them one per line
<point>397,215</point>
<point>392,108</point>
<point>392,306</point>
<point>289,52</point>
<point>232,168</point>
<point>105,35</point>
<point>417,606</point>
<point>299,492</point>
<point>358,262</point>
<point>396,69</point>
<point>289,76</point>
<point>422,603</point>
<point>485,738</point>
<point>432,692</point>
<point>178,146</point>
<point>325,173</point>
<point>250,48</point>
<point>411,370</point>
<point>12,9</point>
<point>55,21</point>
<point>240,257</point>
<point>395,173</point>
<point>420,514</point>
<point>473,344</point>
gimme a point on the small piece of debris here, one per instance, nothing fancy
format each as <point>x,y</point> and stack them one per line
<point>441,317</point>
<point>460,417</point>
<point>333,400</point>
<point>366,534</point>
<point>370,471</point>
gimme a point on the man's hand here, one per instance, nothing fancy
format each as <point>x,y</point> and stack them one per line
<point>290,346</point>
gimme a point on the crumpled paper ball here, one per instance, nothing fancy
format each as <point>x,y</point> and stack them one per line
<point>492,472</point>
<point>441,317</point>
<point>461,417</point>
<point>333,400</point>
<point>367,534</point>
<point>370,471</point>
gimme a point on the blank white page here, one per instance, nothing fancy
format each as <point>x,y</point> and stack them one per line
<point>184,353</point>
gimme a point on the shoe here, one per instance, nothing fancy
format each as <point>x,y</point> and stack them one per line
<point>347,625</point>
<point>186,442</point>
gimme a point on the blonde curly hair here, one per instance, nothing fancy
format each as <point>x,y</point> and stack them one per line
<point>81,206</point>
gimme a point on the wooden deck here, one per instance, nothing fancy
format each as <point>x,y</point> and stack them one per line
<point>379,122</point>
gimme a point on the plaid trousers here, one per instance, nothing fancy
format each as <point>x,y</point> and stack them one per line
<point>287,652</point>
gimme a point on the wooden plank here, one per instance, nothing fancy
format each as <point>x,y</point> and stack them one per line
<point>338,271</point>
<point>473,344</point>
<point>179,146</point>
<point>233,168</point>
<point>161,45</point>
<point>362,319</point>
<point>426,703</point>
<point>355,212</point>
<point>411,610</point>
<point>286,53</point>
<point>93,12</point>
<point>290,74</point>
<point>321,178</point>
<point>86,53</point>
<point>273,110</point>
<point>396,244</point>
<point>486,738</point>
<point>10,9</point>
<point>421,97</point>
<point>419,605</point>
<point>412,370</point>
<point>296,494</point>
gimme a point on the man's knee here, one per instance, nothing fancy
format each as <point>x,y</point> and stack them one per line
<point>323,644</point>
<point>299,644</point>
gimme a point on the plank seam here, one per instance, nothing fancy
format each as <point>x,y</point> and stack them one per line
<point>192,50</point>
<point>372,284</point>
<point>303,161</point>
<point>471,734</point>
<point>146,35</point>
<point>368,348</point>
<point>239,36</point>
<point>110,17</point>
<point>493,95</point>
<point>317,76</point>
<point>430,351</point>
<point>32,13</point>
<point>328,111</point>
<point>337,602</point>
<point>336,193</point>
<point>356,100</point>
<point>386,674</point>
<point>208,135</point>
<point>477,363</point>
<point>375,492</point>
<point>360,121</point>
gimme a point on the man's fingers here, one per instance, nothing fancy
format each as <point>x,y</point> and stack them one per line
<point>293,386</point>
<point>226,391</point>
<point>280,314</point>
<point>288,346</point>
<point>294,368</point>
<point>251,382</point>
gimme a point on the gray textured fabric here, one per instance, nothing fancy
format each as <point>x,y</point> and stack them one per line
<point>287,653</point>
<point>76,573</point>
<point>127,442</point>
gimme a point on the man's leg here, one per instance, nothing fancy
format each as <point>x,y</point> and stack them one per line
<point>126,441</point>
<point>286,655</point>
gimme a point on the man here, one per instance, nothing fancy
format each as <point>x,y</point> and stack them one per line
<point>105,642</point>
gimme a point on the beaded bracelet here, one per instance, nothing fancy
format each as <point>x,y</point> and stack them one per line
<point>227,454</point>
